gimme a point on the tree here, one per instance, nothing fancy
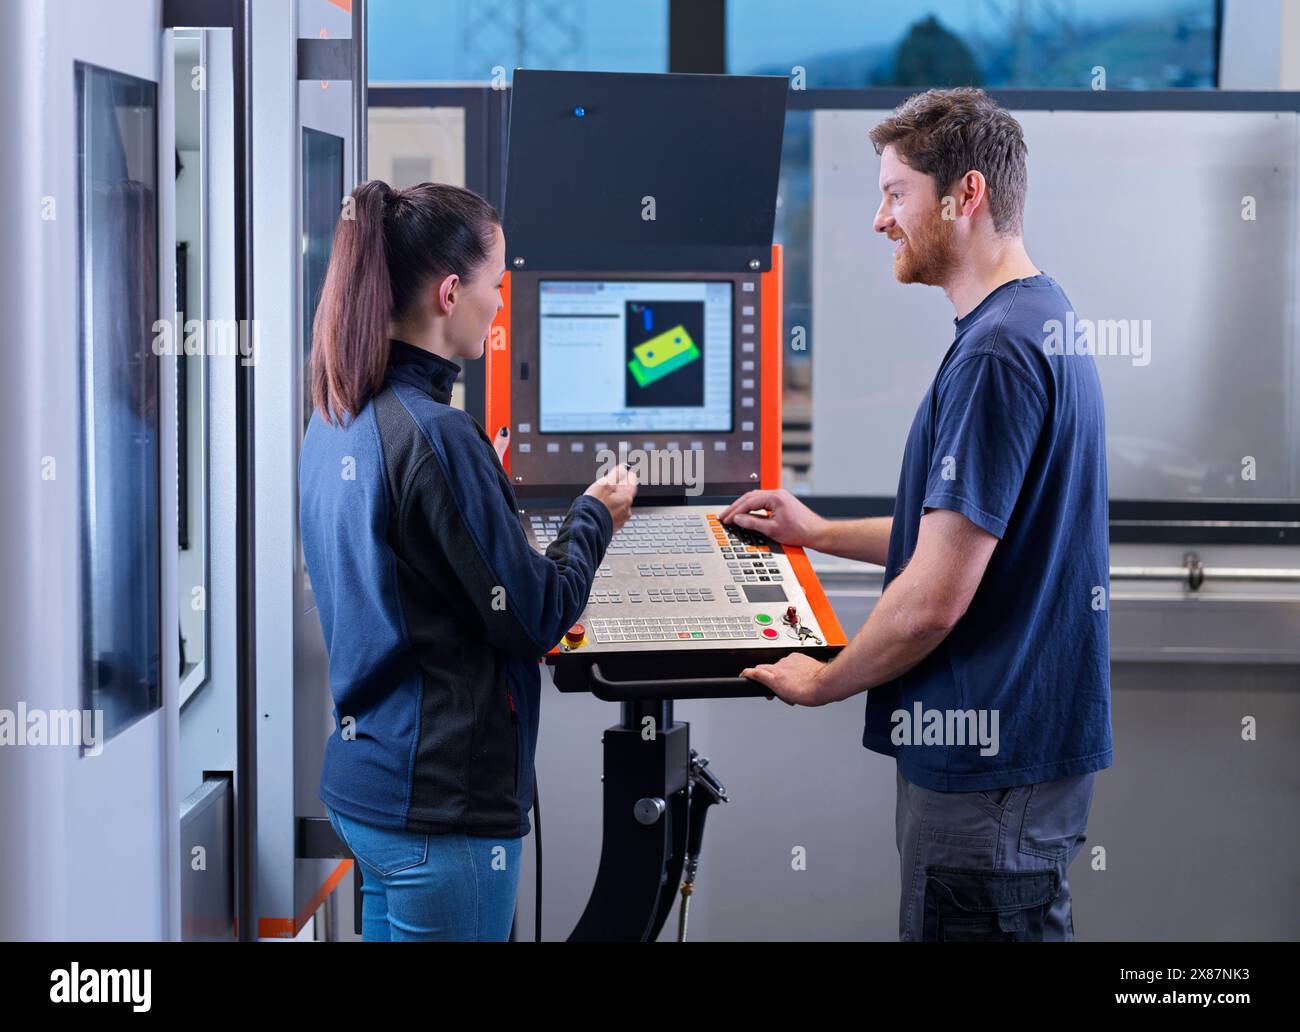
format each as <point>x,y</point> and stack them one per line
<point>930,55</point>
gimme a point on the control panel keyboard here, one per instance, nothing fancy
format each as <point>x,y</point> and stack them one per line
<point>679,575</point>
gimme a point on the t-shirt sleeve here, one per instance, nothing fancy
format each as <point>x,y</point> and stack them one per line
<point>989,416</point>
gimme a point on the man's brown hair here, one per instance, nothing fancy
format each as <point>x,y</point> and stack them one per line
<point>947,133</point>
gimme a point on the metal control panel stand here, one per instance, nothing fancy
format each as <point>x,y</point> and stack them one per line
<point>657,793</point>
<point>646,762</point>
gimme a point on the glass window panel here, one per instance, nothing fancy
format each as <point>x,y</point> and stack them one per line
<point>120,529</point>
<point>485,40</point>
<point>1141,44</point>
<point>410,145</point>
<point>1191,307</point>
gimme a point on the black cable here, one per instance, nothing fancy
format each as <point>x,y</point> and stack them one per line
<point>537,845</point>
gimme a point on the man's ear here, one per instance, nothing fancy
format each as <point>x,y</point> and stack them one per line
<point>974,192</point>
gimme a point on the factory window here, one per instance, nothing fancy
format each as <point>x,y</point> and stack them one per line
<point>993,43</point>
<point>1042,44</point>
<point>483,41</point>
<point>117,135</point>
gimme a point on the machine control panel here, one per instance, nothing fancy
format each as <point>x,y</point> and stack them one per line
<point>676,574</point>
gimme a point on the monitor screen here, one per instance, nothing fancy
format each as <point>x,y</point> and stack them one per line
<point>634,356</point>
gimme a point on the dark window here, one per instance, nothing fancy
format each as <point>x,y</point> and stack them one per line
<point>117,136</point>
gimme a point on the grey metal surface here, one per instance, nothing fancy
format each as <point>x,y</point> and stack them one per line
<point>207,722</point>
<point>208,862</point>
<point>1103,218</point>
<point>79,829</point>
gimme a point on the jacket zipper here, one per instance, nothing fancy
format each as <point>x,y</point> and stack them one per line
<point>514,719</point>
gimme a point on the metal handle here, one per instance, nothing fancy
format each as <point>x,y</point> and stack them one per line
<point>1192,573</point>
<point>1179,573</point>
<point>674,688</point>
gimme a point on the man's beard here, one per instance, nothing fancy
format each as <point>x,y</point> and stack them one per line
<point>928,255</point>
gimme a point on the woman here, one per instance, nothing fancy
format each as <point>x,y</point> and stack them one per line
<point>435,607</point>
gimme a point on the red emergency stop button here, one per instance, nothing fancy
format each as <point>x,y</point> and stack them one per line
<point>574,635</point>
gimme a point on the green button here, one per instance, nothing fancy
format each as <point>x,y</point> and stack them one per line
<point>762,618</point>
<point>697,634</point>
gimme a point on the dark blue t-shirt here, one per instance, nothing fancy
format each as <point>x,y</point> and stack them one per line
<point>1013,437</point>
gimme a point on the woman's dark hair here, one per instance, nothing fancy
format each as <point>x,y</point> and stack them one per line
<point>388,245</point>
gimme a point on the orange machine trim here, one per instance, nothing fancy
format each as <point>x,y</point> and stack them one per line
<point>770,398</point>
<point>813,591</point>
<point>496,371</point>
<point>769,358</point>
<point>289,927</point>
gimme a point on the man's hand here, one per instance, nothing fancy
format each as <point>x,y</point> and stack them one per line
<point>501,444</point>
<point>789,521</point>
<point>796,679</point>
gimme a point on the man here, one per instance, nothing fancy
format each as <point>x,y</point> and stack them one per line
<point>986,659</point>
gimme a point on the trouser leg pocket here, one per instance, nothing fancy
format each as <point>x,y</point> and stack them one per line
<point>972,905</point>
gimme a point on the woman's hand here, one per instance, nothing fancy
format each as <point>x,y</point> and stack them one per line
<point>616,489</point>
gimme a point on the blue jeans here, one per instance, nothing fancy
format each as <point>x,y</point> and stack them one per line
<point>990,866</point>
<point>431,888</point>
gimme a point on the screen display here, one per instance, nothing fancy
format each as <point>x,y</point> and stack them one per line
<point>637,357</point>
<point>764,593</point>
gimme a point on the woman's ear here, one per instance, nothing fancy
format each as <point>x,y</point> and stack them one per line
<point>447,294</point>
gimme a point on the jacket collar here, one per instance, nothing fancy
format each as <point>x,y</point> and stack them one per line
<point>431,373</point>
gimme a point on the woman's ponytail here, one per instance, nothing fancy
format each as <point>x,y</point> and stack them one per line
<point>388,245</point>
<point>350,333</point>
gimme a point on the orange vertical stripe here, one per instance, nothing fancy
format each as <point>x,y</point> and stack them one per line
<point>496,373</point>
<point>769,364</point>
